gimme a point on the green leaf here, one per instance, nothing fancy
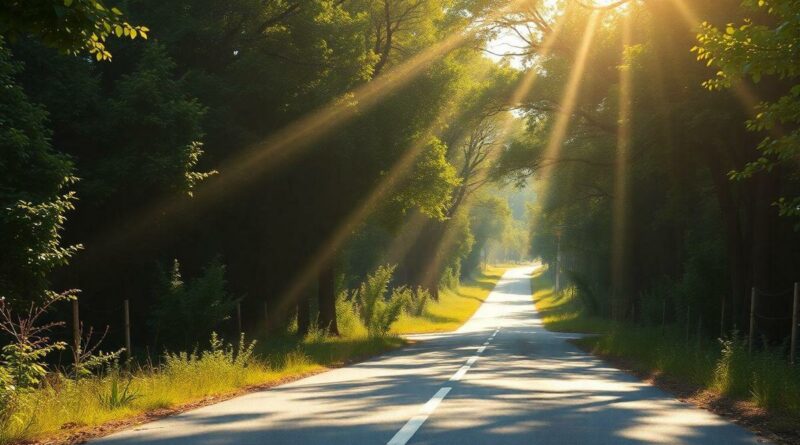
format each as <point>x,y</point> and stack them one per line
<point>118,30</point>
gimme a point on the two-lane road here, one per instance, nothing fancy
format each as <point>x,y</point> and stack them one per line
<point>500,379</point>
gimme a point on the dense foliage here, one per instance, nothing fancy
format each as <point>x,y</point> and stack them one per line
<point>660,205</point>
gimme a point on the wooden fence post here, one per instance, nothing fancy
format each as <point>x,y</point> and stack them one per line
<point>128,350</point>
<point>795,322</point>
<point>76,333</point>
<point>752,333</point>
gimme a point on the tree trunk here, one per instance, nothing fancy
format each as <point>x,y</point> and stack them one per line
<point>735,242</point>
<point>303,315</point>
<point>326,295</point>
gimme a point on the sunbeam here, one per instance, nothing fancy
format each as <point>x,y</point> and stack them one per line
<point>552,150</point>
<point>620,201</point>
<point>388,184</point>
<point>326,252</point>
<point>401,245</point>
<point>286,144</point>
<point>748,98</point>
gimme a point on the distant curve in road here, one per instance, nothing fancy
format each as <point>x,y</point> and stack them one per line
<point>499,379</point>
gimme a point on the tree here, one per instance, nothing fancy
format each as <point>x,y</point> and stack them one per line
<point>757,50</point>
<point>69,25</point>
<point>33,192</point>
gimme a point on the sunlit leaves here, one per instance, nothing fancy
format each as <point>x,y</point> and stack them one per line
<point>756,51</point>
<point>74,26</point>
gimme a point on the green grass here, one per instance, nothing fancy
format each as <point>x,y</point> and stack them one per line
<point>63,405</point>
<point>454,306</point>
<point>562,312</point>
<point>722,368</point>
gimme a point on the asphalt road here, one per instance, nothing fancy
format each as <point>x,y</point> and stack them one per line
<point>500,379</point>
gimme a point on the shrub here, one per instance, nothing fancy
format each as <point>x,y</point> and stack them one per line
<point>346,315</point>
<point>451,277</point>
<point>416,301</point>
<point>23,358</point>
<point>377,312</point>
<point>186,312</point>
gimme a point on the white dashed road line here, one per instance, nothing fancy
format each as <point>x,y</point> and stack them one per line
<point>410,428</point>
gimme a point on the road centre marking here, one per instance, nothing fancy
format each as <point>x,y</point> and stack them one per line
<point>460,373</point>
<point>410,428</point>
<point>413,425</point>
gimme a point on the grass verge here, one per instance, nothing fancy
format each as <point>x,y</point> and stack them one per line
<point>455,306</point>
<point>760,390</point>
<point>562,312</point>
<point>66,411</point>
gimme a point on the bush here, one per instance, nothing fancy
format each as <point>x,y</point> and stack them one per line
<point>377,312</point>
<point>187,312</point>
<point>451,277</point>
<point>346,315</point>
<point>416,301</point>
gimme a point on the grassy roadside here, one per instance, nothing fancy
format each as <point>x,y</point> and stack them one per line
<point>65,411</point>
<point>761,390</point>
<point>454,306</point>
<point>562,312</point>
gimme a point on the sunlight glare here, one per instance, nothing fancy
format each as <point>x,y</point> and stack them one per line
<point>567,104</point>
<point>621,170</point>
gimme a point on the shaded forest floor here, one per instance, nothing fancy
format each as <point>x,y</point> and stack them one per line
<point>760,392</point>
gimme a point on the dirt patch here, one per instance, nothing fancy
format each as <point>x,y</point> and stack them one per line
<point>772,427</point>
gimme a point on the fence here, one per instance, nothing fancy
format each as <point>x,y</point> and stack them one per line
<point>81,339</point>
<point>793,317</point>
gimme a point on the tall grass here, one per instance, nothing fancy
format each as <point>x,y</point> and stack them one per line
<point>722,367</point>
<point>62,404</point>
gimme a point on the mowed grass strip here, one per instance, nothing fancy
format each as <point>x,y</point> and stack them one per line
<point>455,306</point>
